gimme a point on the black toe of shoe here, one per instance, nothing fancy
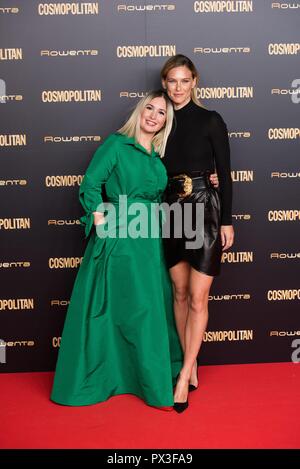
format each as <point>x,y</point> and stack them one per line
<point>180,407</point>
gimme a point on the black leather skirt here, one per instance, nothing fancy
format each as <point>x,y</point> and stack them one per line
<point>191,189</point>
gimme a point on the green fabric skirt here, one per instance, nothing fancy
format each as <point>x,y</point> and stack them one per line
<point>119,335</point>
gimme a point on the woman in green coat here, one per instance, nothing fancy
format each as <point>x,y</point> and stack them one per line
<point>119,335</point>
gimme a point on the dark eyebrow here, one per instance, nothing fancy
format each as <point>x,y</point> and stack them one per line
<point>160,109</point>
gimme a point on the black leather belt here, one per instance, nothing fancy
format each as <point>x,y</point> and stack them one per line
<point>184,184</point>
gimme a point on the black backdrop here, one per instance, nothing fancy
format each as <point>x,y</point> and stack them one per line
<point>111,52</point>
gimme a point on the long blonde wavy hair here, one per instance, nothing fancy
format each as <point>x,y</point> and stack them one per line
<point>131,128</point>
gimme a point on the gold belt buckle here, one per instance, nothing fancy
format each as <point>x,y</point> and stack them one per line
<point>187,185</point>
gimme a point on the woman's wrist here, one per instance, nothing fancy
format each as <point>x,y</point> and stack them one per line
<point>98,218</point>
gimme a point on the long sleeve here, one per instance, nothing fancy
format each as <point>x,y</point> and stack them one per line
<point>220,143</point>
<point>97,173</point>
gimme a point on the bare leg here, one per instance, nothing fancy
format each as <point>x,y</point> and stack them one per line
<point>199,286</point>
<point>194,375</point>
<point>180,274</point>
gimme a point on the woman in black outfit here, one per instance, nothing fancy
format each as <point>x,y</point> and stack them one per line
<point>197,147</point>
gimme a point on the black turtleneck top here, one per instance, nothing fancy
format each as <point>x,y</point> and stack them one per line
<point>199,142</point>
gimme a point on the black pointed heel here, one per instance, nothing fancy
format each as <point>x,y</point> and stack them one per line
<point>180,407</point>
<point>192,387</point>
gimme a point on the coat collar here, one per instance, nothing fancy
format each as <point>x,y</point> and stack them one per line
<point>133,142</point>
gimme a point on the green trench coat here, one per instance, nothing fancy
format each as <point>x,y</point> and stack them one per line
<point>119,335</point>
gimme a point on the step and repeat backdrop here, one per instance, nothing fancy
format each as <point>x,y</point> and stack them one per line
<point>70,72</point>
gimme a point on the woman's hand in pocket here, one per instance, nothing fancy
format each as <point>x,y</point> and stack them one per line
<point>99,218</point>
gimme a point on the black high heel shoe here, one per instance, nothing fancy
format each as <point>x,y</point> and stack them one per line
<point>192,387</point>
<point>180,407</point>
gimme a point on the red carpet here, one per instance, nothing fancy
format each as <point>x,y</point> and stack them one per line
<point>236,406</point>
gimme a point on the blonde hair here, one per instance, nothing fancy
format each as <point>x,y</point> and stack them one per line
<point>131,128</point>
<point>180,60</point>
